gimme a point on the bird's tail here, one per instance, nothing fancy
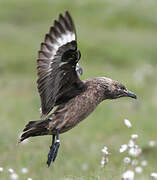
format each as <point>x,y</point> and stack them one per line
<point>35,128</point>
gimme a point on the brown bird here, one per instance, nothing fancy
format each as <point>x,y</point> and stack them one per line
<point>59,85</point>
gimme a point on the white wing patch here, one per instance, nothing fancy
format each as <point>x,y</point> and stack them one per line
<point>64,39</point>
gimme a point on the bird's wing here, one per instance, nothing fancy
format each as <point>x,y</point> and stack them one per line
<point>58,72</point>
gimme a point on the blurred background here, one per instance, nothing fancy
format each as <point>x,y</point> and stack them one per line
<point>117,39</point>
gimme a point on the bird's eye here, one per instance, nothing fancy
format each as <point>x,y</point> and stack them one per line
<point>121,87</point>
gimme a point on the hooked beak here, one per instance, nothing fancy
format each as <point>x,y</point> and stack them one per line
<point>130,94</point>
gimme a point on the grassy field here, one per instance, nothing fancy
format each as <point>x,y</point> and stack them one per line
<point>117,39</point>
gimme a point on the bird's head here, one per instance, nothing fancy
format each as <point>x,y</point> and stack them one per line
<point>114,89</point>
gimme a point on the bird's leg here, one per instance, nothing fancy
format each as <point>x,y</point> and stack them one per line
<point>57,144</point>
<point>50,154</point>
<point>54,148</point>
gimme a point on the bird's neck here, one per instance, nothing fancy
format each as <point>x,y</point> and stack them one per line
<point>95,90</point>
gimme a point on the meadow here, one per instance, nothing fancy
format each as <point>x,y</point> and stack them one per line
<point>117,39</point>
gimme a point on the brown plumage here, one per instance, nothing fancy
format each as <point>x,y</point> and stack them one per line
<point>59,84</point>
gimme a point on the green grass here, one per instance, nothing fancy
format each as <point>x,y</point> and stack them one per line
<point>117,39</point>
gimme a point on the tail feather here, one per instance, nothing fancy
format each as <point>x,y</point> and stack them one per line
<point>29,125</point>
<point>35,128</point>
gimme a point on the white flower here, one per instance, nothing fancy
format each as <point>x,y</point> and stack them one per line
<point>144,163</point>
<point>134,162</point>
<point>138,169</point>
<point>131,143</point>
<point>10,170</point>
<point>105,150</point>
<point>152,143</point>
<point>128,175</point>
<point>154,175</point>
<point>134,136</point>
<point>123,148</point>
<point>84,167</point>
<point>29,178</point>
<point>24,170</point>
<point>134,152</point>
<point>127,160</point>
<point>104,161</point>
<point>14,176</point>
<point>127,123</point>
<point>1,169</point>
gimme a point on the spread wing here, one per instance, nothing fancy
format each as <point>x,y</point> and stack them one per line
<point>57,65</point>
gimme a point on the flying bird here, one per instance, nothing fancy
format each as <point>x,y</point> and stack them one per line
<point>59,84</point>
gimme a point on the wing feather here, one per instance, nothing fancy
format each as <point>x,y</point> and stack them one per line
<point>58,80</point>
